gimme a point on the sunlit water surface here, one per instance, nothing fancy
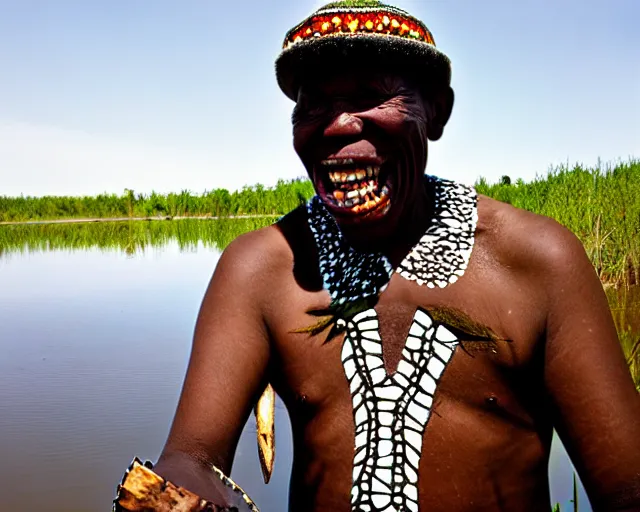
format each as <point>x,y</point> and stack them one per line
<point>94,350</point>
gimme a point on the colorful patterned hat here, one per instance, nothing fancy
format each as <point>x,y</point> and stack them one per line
<point>364,31</point>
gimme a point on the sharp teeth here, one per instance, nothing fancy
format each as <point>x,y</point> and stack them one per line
<point>359,175</point>
<point>358,197</point>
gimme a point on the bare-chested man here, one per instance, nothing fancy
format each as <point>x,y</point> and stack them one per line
<point>425,341</point>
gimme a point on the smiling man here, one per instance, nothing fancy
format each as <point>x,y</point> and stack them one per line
<point>426,341</point>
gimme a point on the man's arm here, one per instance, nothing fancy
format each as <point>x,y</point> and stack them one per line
<point>226,373</point>
<point>595,404</point>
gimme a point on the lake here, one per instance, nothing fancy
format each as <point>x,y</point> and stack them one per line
<point>96,324</point>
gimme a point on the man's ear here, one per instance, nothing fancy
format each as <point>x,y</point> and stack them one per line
<point>439,106</point>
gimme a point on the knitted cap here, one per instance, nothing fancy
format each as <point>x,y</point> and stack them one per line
<point>366,32</point>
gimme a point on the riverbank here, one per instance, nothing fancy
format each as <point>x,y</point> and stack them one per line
<point>601,205</point>
<point>124,219</point>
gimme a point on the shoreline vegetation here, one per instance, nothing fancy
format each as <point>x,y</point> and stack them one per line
<point>601,205</point>
<point>251,200</point>
<point>126,219</point>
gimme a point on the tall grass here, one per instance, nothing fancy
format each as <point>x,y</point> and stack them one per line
<point>280,199</point>
<point>600,205</point>
<point>625,308</point>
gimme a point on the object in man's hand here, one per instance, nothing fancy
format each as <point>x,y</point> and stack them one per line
<point>265,425</point>
<point>142,490</point>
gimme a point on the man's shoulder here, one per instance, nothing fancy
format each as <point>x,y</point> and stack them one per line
<point>268,249</point>
<point>527,241</point>
<point>258,251</point>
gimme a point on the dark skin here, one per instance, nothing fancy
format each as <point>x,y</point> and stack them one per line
<point>529,280</point>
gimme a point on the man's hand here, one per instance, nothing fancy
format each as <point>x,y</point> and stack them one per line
<point>143,490</point>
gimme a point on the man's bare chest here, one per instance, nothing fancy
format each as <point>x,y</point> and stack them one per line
<point>381,350</point>
<point>418,377</point>
<point>496,329</point>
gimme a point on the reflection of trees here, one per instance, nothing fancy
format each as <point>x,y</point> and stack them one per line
<point>127,236</point>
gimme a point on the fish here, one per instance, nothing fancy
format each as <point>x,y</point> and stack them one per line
<point>266,431</point>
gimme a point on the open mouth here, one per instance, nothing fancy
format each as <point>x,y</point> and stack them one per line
<point>354,187</point>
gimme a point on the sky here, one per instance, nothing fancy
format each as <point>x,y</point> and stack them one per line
<point>168,96</point>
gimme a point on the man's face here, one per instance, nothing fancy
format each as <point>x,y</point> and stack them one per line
<point>363,140</point>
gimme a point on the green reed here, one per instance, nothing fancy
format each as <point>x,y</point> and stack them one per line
<point>574,501</point>
<point>625,308</point>
<point>255,200</point>
<point>630,342</point>
<point>601,205</point>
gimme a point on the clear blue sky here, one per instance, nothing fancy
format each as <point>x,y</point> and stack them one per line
<point>101,95</point>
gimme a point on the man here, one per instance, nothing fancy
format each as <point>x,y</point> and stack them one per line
<point>426,341</point>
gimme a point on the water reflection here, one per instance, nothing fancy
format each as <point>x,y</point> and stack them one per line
<point>96,343</point>
<point>127,236</point>
<point>96,346</point>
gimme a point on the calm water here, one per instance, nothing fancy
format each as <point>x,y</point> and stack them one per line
<point>94,346</point>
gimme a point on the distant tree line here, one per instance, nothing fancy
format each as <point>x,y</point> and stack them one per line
<point>254,200</point>
<point>601,205</point>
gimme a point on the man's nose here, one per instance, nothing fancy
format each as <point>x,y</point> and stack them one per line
<point>344,125</point>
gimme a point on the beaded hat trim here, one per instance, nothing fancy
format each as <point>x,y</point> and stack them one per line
<point>383,21</point>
